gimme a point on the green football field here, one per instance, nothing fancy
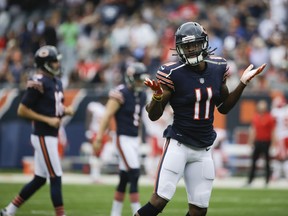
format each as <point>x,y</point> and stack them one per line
<point>96,199</point>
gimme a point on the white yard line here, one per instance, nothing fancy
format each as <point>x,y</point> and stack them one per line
<point>73,178</point>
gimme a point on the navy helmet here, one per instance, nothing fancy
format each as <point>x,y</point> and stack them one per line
<point>136,73</point>
<point>44,56</point>
<point>192,33</point>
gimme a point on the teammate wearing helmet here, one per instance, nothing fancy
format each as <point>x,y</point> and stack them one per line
<point>42,103</point>
<point>125,104</point>
<point>193,87</point>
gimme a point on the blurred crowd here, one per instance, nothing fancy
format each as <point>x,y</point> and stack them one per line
<point>99,37</point>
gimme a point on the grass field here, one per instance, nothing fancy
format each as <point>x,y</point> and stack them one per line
<point>96,199</point>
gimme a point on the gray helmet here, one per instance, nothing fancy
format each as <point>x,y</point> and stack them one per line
<point>136,71</point>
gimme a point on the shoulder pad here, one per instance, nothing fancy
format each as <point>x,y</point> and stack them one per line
<point>35,84</point>
<point>216,60</point>
<point>167,66</point>
<point>117,94</point>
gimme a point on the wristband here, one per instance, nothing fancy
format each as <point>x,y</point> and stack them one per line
<point>157,97</point>
<point>243,82</point>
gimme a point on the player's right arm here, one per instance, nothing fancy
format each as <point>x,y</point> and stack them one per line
<point>111,108</point>
<point>159,99</point>
<point>25,112</point>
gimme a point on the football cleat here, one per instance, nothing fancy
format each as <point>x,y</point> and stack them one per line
<point>4,212</point>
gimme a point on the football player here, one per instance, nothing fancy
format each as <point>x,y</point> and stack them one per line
<point>42,103</point>
<point>193,87</point>
<point>280,112</point>
<point>125,104</point>
<point>94,113</point>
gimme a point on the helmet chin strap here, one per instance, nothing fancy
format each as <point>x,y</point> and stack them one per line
<point>192,61</point>
<point>51,70</point>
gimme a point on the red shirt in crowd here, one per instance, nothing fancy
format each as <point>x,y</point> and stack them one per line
<point>263,124</point>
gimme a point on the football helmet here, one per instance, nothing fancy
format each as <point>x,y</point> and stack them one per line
<point>136,73</point>
<point>192,43</point>
<point>43,58</point>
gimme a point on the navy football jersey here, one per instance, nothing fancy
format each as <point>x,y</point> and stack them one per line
<point>44,95</point>
<point>193,99</point>
<point>129,114</point>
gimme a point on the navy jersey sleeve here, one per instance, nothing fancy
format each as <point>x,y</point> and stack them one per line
<point>222,63</point>
<point>163,75</point>
<point>33,92</point>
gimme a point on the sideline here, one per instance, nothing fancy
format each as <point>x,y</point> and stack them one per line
<point>75,178</point>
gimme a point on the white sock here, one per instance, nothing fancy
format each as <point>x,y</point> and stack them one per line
<point>95,167</point>
<point>116,208</point>
<point>11,208</point>
<point>135,207</point>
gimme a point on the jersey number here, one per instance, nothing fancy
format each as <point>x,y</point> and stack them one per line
<point>136,116</point>
<point>59,107</point>
<point>197,103</point>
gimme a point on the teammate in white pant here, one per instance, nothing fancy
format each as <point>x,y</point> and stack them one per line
<point>125,104</point>
<point>193,86</point>
<point>42,103</point>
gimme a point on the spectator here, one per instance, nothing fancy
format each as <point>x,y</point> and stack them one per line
<point>49,34</point>
<point>120,34</point>
<point>261,137</point>
<point>280,113</point>
<point>68,32</point>
<point>259,51</point>
<point>16,68</point>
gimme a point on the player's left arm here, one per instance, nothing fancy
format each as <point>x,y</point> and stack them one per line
<point>229,99</point>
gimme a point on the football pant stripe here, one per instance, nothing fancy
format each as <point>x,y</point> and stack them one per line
<point>46,156</point>
<point>122,153</point>
<point>160,164</point>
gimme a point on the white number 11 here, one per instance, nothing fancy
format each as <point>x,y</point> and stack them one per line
<point>197,103</point>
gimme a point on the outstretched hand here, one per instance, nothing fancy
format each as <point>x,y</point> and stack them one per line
<point>248,74</point>
<point>154,86</point>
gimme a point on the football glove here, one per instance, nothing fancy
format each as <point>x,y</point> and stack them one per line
<point>154,86</point>
<point>248,74</point>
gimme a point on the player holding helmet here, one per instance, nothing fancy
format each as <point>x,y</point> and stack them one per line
<point>125,104</point>
<point>42,103</point>
<point>193,86</point>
